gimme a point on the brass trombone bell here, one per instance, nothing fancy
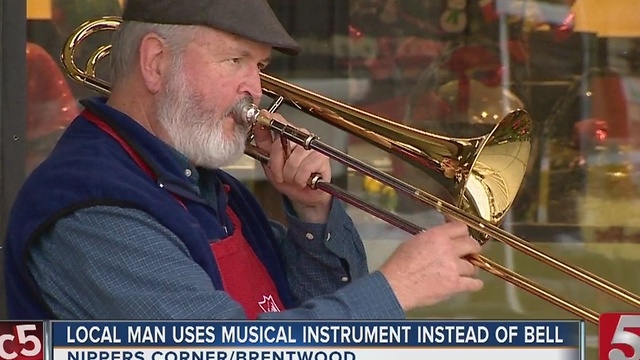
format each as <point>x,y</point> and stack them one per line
<point>482,174</point>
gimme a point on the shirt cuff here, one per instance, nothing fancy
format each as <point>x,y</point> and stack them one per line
<point>371,298</point>
<point>312,235</point>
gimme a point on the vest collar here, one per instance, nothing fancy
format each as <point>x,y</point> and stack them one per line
<point>166,167</point>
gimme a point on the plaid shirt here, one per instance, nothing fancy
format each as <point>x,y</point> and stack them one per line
<point>120,263</point>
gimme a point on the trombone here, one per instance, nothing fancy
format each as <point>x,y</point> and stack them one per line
<point>482,174</point>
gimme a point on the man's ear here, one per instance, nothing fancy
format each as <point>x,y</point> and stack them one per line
<point>154,56</point>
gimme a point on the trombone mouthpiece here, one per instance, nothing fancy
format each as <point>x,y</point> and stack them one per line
<point>250,114</point>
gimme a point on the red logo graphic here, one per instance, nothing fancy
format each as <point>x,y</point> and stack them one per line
<point>268,304</point>
<point>21,340</point>
<point>619,336</point>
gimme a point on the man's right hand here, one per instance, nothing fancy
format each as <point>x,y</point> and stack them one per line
<point>429,268</point>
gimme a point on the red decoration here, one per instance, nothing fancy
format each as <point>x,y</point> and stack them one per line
<point>477,62</point>
<point>489,11</point>
<point>564,30</point>
<point>51,104</point>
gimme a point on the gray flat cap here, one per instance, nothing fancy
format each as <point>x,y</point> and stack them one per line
<point>250,19</point>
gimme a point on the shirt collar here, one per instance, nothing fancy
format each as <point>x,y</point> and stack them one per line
<point>166,163</point>
<point>168,166</point>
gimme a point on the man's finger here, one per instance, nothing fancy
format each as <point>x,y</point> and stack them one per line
<point>456,229</point>
<point>466,245</point>
<point>262,137</point>
<point>465,268</point>
<point>292,165</point>
<point>470,284</point>
<point>276,160</point>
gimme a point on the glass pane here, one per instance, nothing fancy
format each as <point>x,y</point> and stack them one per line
<point>455,68</point>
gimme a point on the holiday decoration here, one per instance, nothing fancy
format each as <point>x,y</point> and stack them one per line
<point>564,30</point>
<point>454,19</point>
<point>488,9</point>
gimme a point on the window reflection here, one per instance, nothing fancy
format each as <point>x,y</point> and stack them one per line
<point>51,104</point>
<point>449,67</point>
<point>52,96</point>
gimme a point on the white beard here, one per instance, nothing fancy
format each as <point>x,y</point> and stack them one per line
<point>196,131</point>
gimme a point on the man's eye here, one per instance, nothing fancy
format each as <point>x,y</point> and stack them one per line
<point>262,66</point>
<point>236,60</point>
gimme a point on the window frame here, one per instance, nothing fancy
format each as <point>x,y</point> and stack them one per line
<point>13,113</point>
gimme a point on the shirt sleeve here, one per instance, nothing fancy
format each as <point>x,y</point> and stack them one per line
<point>320,258</point>
<point>118,263</point>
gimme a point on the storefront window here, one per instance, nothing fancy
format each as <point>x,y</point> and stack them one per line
<point>452,68</point>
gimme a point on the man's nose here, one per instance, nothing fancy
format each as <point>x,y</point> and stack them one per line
<point>252,85</point>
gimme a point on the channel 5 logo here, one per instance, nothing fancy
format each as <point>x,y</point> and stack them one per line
<point>21,340</point>
<point>619,336</point>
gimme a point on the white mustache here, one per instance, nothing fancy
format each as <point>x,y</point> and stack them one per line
<point>237,110</point>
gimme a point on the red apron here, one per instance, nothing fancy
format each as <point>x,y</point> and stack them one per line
<point>244,277</point>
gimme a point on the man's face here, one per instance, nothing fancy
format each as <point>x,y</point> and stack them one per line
<point>201,103</point>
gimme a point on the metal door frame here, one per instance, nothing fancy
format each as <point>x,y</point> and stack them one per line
<point>13,113</point>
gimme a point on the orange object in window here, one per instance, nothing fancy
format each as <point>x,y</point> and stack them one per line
<point>51,105</point>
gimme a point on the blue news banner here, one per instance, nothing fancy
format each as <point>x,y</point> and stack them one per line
<point>326,340</point>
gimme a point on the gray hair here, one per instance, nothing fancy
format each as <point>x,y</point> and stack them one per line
<point>127,38</point>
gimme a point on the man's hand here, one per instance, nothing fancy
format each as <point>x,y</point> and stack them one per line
<point>429,268</point>
<point>290,176</point>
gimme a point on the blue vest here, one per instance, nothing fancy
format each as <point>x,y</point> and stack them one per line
<point>88,167</point>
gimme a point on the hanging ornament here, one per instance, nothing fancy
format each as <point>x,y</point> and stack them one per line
<point>389,13</point>
<point>454,19</point>
<point>565,29</point>
<point>488,8</point>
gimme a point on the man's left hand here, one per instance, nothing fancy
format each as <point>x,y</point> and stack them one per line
<point>290,176</point>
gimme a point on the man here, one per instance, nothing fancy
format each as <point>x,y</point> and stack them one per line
<point>130,216</point>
